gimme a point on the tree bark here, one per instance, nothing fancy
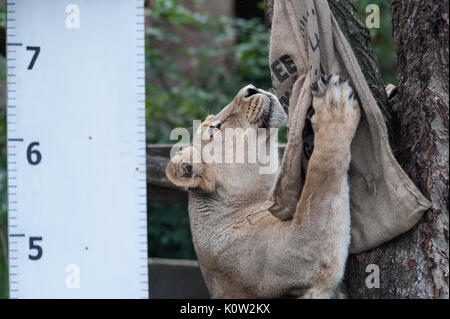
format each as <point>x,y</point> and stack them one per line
<point>3,41</point>
<point>415,264</point>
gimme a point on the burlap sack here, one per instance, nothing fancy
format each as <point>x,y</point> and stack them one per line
<point>384,202</point>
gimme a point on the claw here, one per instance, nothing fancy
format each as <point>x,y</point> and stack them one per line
<point>324,79</point>
<point>334,79</point>
<point>351,95</point>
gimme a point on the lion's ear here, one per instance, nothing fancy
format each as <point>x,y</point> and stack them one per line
<point>183,173</point>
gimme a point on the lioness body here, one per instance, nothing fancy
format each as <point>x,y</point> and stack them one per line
<point>244,251</point>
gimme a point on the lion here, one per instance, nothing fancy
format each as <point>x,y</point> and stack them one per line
<point>242,249</point>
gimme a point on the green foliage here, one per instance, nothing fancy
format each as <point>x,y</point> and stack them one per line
<point>2,16</point>
<point>169,232</point>
<point>382,41</point>
<point>235,55</point>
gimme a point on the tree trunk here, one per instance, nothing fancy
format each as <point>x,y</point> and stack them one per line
<point>415,264</point>
<point>2,41</point>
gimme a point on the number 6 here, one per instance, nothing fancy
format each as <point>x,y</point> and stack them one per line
<point>30,152</point>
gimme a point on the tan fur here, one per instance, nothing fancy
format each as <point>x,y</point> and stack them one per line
<point>244,251</point>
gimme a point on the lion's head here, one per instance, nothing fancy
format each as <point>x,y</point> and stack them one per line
<point>249,120</point>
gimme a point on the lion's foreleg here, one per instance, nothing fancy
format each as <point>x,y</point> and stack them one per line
<point>335,121</point>
<point>322,214</point>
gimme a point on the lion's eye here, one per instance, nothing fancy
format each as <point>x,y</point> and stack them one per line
<point>213,129</point>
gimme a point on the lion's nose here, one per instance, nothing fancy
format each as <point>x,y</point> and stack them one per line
<point>251,91</point>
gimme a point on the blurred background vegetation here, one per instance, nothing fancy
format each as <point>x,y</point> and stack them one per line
<point>235,53</point>
<point>199,54</point>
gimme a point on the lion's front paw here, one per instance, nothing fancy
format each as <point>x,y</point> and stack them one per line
<point>336,109</point>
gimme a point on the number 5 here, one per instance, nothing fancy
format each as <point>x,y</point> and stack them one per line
<point>37,247</point>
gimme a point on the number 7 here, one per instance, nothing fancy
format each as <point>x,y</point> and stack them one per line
<point>35,55</point>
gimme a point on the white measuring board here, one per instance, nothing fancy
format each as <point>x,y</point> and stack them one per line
<point>76,149</point>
